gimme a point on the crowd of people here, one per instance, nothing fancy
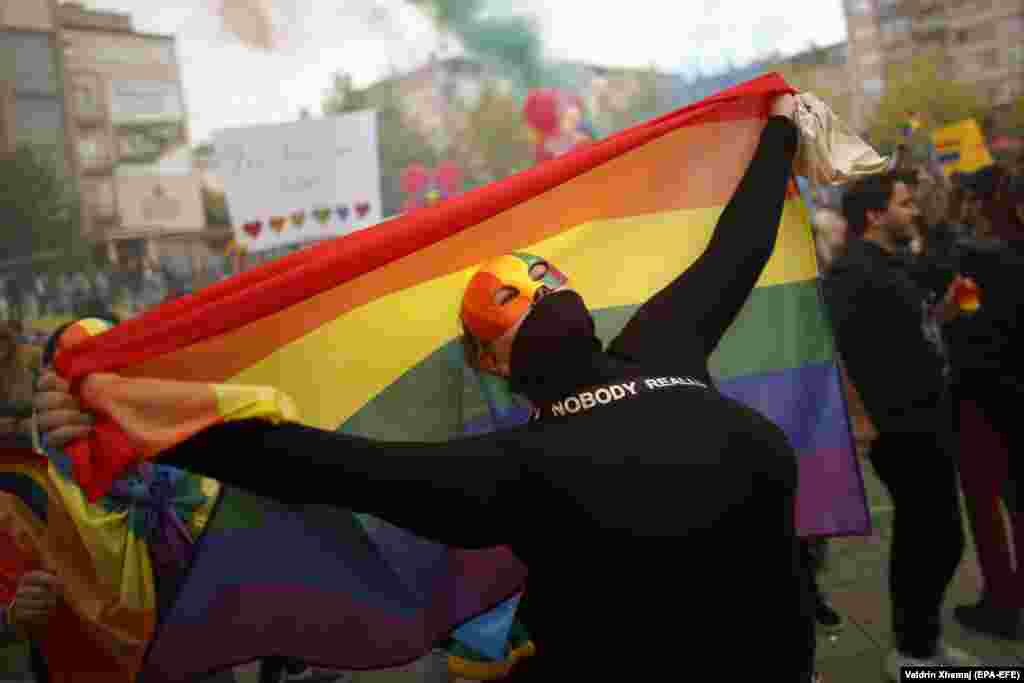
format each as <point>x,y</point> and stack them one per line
<point>901,256</point>
<point>919,279</point>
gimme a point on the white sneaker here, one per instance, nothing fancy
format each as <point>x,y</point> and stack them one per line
<point>946,656</point>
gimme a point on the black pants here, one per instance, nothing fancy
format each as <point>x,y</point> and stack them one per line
<point>273,668</point>
<point>919,470</point>
<point>813,553</point>
<point>37,663</point>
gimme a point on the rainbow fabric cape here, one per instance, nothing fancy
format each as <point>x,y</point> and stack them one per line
<point>360,334</point>
<point>101,552</point>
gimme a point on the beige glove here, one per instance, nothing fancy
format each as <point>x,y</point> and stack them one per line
<point>829,153</point>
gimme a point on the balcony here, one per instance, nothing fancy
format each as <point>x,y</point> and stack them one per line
<point>90,118</point>
<point>97,167</point>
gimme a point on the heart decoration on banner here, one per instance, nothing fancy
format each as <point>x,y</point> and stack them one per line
<point>342,212</point>
<point>278,223</point>
<point>426,187</point>
<point>322,215</point>
<point>362,209</point>
<point>253,228</point>
<point>298,218</point>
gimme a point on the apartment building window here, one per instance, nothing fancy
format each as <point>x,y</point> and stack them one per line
<point>1013,27</point>
<point>1015,55</point>
<point>873,87</point>
<point>87,95</point>
<point>31,54</point>
<point>895,28</point>
<point>39,121</point>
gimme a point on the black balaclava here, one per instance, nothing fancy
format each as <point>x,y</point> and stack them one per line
<point>553,352</point>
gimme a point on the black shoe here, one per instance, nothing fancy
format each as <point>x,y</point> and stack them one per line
<point>984,617</point>
<point>828,618</point>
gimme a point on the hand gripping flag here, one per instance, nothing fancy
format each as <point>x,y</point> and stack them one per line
<point>361,334</point>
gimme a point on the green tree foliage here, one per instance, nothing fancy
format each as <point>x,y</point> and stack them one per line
<point>919,85</point>
<point>39,213</point>
<point>498,139</point>
<point>642,100</point>
<point>399,144</point>
<point>41,221</point>
<point>814,74</point>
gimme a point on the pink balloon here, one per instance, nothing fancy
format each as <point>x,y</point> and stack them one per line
<point>449,177</point>
<point>415,178</point>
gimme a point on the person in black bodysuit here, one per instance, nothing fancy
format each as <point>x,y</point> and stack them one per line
<point>650,509</point>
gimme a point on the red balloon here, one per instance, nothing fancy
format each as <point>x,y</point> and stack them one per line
<point>542,110</point>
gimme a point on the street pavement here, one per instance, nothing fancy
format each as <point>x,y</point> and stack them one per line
<point>856,581</point>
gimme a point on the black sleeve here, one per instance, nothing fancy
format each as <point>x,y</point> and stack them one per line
<point>456,492</point>
<point>700,305</point>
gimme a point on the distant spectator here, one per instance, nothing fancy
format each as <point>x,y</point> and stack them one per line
<point>1015,195</point>
<point>887,330</point>
<point>829,235</point>
<point>16,377</point>
<point>992,205</point>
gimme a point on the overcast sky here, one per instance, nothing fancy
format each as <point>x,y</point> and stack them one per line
<point>228,84</point>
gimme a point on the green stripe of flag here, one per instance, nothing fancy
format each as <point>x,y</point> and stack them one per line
<point>780,327</point>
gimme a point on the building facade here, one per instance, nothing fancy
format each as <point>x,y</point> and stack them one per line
<point>31,80</point>
<point>109,100</point>
<point>979,41</point>
<point>127,118</point>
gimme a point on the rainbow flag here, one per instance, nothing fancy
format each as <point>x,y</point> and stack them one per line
<point>100,551</point>
<point>361,334</point>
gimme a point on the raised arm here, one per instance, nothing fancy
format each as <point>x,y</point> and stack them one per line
<point>457,493</point>
<point>696,309</point>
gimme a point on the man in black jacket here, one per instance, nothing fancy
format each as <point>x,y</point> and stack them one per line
<point>888,331</point>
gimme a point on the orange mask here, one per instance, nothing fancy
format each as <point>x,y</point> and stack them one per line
<point>483,316</point>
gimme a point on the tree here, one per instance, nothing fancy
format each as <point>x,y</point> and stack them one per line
<point>40,218</point>
<point>628,99</point>
<point>919,86</point>
<point>498,141</point>
<point>813,73</point>
<point>399,144</point>
<point>508,40</point>
<point>1013,120</point>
